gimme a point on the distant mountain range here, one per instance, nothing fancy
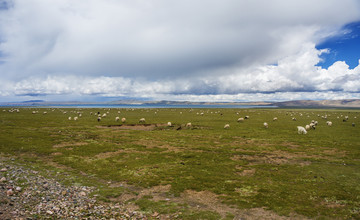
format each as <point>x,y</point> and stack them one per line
<point>345,103</point>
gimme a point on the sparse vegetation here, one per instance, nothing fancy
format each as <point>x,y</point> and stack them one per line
<point>161,169</point>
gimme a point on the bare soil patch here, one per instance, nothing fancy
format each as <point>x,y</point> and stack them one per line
<point>245,172</point>
<point>67,144</point>
<point>199,200</point>
<point>275,157</point>
<point>141,127</point>
<point>153,144</point>
<point>114,153</point>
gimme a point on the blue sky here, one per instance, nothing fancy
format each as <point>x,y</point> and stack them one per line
<point>204,50</point>
<point>344,47</point>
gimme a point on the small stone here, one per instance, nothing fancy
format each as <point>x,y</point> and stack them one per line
<point>82,193</point>
<point>10,192</point>
<point>155,214</point>
<point>3,170</point>
<point>18,189</point>
<point>3,179</point>
<point>49,212</point>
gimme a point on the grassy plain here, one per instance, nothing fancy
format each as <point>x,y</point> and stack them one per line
<point>204,171</point>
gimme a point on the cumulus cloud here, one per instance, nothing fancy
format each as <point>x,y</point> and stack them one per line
<point>171,48</point>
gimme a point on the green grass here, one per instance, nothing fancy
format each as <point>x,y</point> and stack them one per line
<point>247,166</point>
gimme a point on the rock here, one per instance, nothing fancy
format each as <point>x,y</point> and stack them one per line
<point>3,170</point>
<point>18,189</point>
<point>3,179</point>
<point>10,192</point>
<point>49,212</point>
<point>155,214</point>
<point>82,193</point>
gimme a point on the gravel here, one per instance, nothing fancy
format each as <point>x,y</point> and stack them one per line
<point>25,194</point>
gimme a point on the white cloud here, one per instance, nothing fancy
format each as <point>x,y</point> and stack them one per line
<point>172,48</point>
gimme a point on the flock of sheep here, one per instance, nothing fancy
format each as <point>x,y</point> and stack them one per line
<point>300,129</point>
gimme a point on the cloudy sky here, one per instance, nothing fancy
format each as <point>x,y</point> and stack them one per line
<point>204,50</point>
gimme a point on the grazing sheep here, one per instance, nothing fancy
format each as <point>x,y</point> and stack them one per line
<point>117,119</point>
<point>240,120</point>
<point>44,113</point>
<point>69,118</point>
<point>301,130</point>
<point>247,117</point>
<point>188,125</point>
<point>307,127</point>
<point>227,126</point>
<point>99,118</point>
<point>142,120</point>
<point>294,119</point>
<point>123,120</point>
<point>75,118</point>
<point>329,123</point>
<point>353,124</point>
<point>104,115</point>
<point>275,119</point>
<point>312,125</point>
<point>169,124</point>
<point>266,125</point>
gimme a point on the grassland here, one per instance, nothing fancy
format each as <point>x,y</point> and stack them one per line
<point>200,172</point>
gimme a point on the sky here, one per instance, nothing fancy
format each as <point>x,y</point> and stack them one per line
<point>204,50</point>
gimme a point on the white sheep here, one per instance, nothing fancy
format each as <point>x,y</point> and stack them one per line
<point>294,119</point>
<point>123,120</point>
<point>275,119</point>
<point>169,124</point>
<point>99,118</point>
<point>104,115</point>
<point>75,118</point>
<point>312,125</point>
<point>69,118</point>
<point>227,126</point>
<point>307,127</point>
<point>301,130</point>
<point>329,123</point>
<point>188,125</point>
<point>266,125</point>
<point>247,117</point>
<point>240,120</point>
<point>117,119</point>
<point>142,120</point>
